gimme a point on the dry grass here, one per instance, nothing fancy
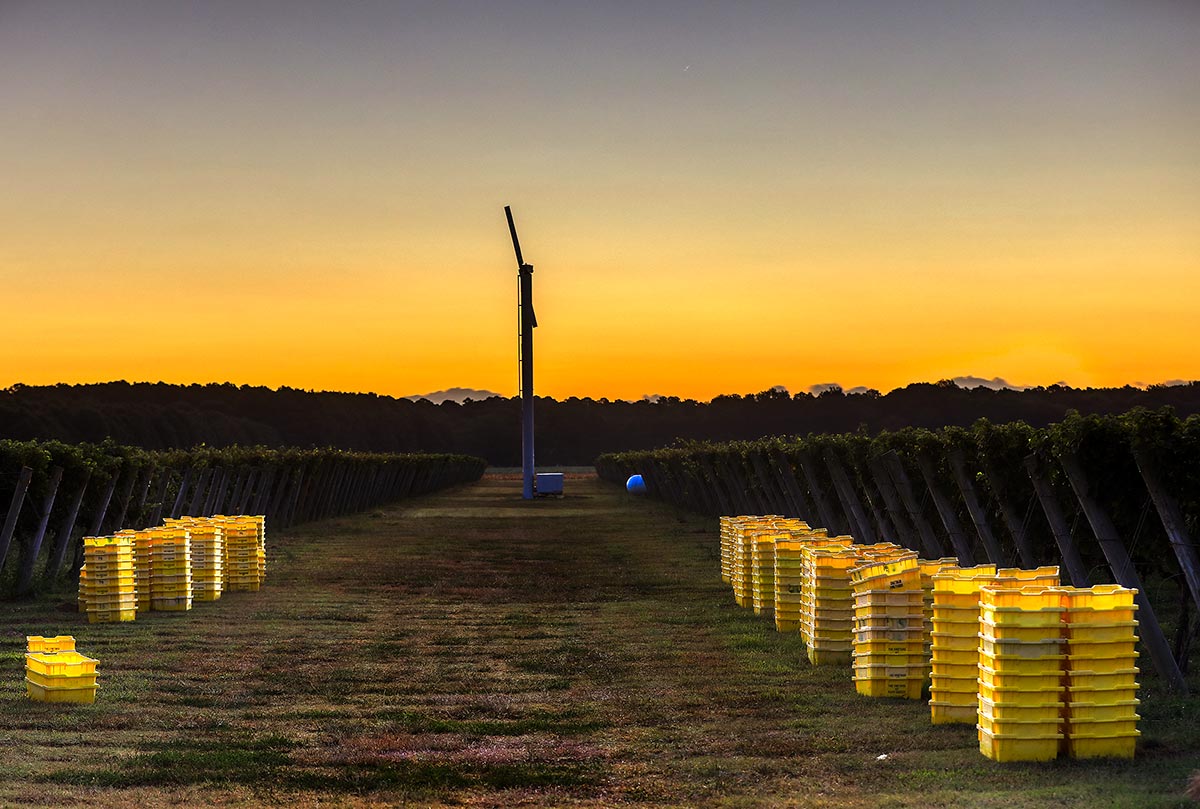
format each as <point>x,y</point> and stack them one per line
<point>472,649</point>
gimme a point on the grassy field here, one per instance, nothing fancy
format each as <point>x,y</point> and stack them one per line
<point>472,649</point>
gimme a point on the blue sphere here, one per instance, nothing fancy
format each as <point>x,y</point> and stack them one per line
<point>635,485</point>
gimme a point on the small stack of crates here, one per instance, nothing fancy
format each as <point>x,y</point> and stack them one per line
<point>954,692</point>
<point>107,590</point>
<point>208,559</point>
<point>55,672</point>
<point>246,559</point>
<point>1101,636</point>
<point>889,648</point>
<point>170,569</point>
<point>827,604</point>
<point>762,573</point>
<point>1021,670</point>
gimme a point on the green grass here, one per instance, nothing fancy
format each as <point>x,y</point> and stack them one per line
<point>470,648</point>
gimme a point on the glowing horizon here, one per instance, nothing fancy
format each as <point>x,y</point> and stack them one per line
<point>310,197</point>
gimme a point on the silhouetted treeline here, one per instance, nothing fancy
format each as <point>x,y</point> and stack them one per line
<point>569,432</point>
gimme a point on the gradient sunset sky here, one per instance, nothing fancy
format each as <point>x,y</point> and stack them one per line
<point>717,197</point>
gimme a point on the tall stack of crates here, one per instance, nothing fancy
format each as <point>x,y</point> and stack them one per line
<point>762,573</point>
<point>245,554</point>
<point>208,559</point>
<point>170,568</point>
<point>1101,635</point>
<point>55,672</point>
<point>1021,670</point>
<point>726,524</point>
<point>827,604</point>
<point>108,590</point>
<point>889,648</point>
<point>954,692</point>
<point>929,568</point>
<point>143,548</point>
<point>789,574</point>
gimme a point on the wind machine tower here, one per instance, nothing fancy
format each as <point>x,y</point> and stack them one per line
<point>527,323</point>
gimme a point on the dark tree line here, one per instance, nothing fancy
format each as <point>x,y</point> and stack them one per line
<point>571,432</point>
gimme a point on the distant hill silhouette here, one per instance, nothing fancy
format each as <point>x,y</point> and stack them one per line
<point>569,432</point>
<point>459,395</point>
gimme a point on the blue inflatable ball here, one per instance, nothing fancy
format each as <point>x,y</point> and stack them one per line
<point>635,485</point>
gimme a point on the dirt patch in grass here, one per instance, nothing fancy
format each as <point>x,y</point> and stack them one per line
<point>473,649</point>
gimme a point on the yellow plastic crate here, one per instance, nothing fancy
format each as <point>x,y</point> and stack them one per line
<point>1079,712</point>
<point>58,643</point>
<point>110,616</point>
<point>1050,664</point>
<point>63,681</point>
<point>870,613</point>
<point>958,671</point>
<point>1099,597</point>
<point>60,664</point>
<point>1048,711</point>
<point>1015,616</point>
<point>911,671</point>
<point>905,635</point>
<point>1100,665</point>
<point>896,689</point>
<point>956,615</point>
<point>1120,726</point>
<point>1103,649</point>
<point>949,713</point>
<point>1042,575</point>
<point>1024,728</point>
<point>956,657</point>
<point>962,690</point>
<point>39,693</point>
<point>1031,598</point>
<point>1101,632</point>
<point>1005,748</point>
<point>1005,632</point>
<point>1036,682</point>
<point>1016,695</point>
<point>181,604</point>
<point>819,656</point>
<point>1102,746</point>
<point>888,598</point>
<point>1114,695</point>
<point>1081,679</point>
<point>950,642</point>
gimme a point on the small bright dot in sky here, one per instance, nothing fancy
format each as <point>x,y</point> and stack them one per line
<point>686,68</point>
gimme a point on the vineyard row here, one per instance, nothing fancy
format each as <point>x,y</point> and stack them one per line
<point>1104,496</point>
<point>57,493</point>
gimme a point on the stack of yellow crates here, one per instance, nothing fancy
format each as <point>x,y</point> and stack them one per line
<point>170,568</point>
<point>1021,670</point>
<point>827,604</point>
<point>726,524</point>
<point>762,573</point>
<point>245,553</point>
<point>142,550</point>
<point>789,574</point>
<point>108,588</point>
<point>1101,636</point>
<point>954,692</point>
<point>208,559</point>
<point>929,568</point>
<point>954,648</point>
<point>55,672</point>
<point>889,648</point>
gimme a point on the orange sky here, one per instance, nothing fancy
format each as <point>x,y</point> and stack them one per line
<point>713,201</point>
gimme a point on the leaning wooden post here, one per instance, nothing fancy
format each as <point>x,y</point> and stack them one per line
<point>62,539</point>
<point>29,560</point>
<point>124,499</point>
<point>105,500</point>
<point>181,495</point>
<point>1058,523</point>
<point>14,511</point>
<point>850,501</point>
<point>945,510</point>
<point>1125,573</point>
<point>1172,520</point>
<point>883,526</point>
<point>795,494</point>
<point>1013,521</point>
<point>966,488</point>
<point>929,540</point>
<point>198,496</point>
<point>160,499</point>
<point>726,503</point>
<point>891,501</point>
<point>766,480</point>
<point>139,505</point>
<point>824,509</point>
